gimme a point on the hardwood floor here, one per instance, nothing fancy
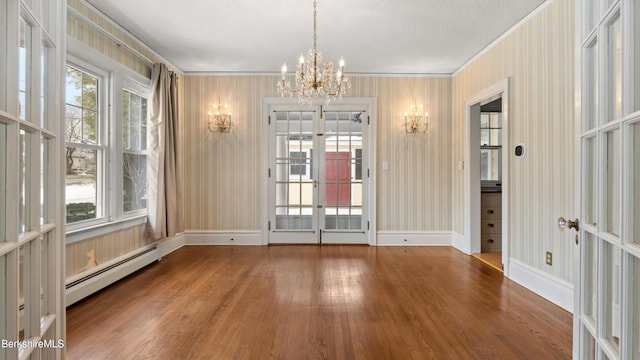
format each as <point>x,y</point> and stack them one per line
<point>493,259</point>
<point>317,302</point>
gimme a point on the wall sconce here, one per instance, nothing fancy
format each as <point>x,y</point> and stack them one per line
<point>416,121</point>
<point>220,119</point>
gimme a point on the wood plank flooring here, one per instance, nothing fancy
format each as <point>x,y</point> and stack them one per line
<point>317,302</point>
<point>493,259</point>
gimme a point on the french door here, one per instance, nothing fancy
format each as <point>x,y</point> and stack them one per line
<point>607,276</point>
<point>319,173</point>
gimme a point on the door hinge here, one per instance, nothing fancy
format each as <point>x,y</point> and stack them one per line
<point>368,173</point>
<point>269,172</point>
<point>269,119</point>
<point>269,225</point>
<point>321,112</point>
<point>368,225</point>
<point>320,235</point>
<point>368,120</point>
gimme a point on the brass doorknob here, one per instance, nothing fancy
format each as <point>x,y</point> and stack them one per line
<point>563,224</point>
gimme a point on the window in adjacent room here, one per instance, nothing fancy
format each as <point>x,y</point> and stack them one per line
<point>491,146</point>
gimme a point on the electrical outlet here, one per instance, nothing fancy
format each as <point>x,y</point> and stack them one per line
<point>549,258</point>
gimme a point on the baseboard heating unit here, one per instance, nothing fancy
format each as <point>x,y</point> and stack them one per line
<point>83,285</point>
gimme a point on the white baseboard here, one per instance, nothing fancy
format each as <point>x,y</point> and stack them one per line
<point>223,238</point>
<point>84,284</point>
<point>458,241</point>
<point>549,287</point>
<point>169,245</point>
<point>414,238</point>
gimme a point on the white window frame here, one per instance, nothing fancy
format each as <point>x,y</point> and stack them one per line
<point>141,90</point>
<point>120,78</point>
<point>102,146</point>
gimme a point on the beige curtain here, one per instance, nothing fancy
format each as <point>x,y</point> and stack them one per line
<point>164,188</point>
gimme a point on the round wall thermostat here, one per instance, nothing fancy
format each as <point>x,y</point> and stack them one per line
<point>520,150</point>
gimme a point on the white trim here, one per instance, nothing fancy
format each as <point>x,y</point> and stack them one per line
<point>549,287</point>
<point>458,242</point>
<point>355,74</point>
<point>81,234</point>
<point>507,33</point>
<point>169,245</point>
<point>229,237</point>
<point>78,51</point>
<point>414,238</point>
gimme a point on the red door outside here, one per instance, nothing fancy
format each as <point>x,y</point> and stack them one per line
<point>338,178</point>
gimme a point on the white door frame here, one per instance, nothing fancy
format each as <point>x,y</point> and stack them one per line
<point>369,164</point>
<point>471,243</point>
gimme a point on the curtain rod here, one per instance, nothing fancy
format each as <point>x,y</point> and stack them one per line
<point>109,35</point>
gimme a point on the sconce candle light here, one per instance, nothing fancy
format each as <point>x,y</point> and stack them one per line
<point>220,119</point>
<point>415,120</point>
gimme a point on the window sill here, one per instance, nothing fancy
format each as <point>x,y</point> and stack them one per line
<point>77,235</point>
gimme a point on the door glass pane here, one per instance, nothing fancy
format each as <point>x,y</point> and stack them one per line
<point>294,170</point>
<point>591,7</point>
<point>613,278</point>
<point>24,195</point>
<point>590,179</point>
<point>22,267</point>
<point>612,183</point>
<point>634,183</point>
<point>45,176</point>
<point>46,273</point>
<point>24,69</point>
<point>589,270</point>
<point>591,94</point>
<point>615,69</point>
<point>3,55</point>
<point>589,349</point>
<point>44,83</point>
<point>635,303</point>
<point>343,180</point>
<point>636,46</point>
<point>3,182</point>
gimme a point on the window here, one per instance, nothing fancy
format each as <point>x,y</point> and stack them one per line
<point>298,162</point>
<point>134,151</point>
<point>491,146</point>
<point>106,149</point>
<point>85,148</point>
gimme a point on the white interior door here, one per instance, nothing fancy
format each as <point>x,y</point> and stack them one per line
<point>607,278</point>
<point>319,173</point>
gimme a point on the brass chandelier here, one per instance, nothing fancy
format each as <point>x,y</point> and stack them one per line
<point>313,78</point>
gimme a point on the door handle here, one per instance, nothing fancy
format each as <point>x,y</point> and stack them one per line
<point>564,223</point>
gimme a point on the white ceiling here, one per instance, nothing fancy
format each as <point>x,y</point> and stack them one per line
<point>373,36</point>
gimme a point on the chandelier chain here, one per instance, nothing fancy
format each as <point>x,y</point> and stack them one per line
<point>315,26</point>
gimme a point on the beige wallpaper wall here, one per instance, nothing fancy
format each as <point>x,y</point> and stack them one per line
<point>222,172</point>
<point>105,248</point>
<point>539,60</point>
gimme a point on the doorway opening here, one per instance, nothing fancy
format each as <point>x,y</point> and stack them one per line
<point>486,177</point>
<point>491,184</point>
